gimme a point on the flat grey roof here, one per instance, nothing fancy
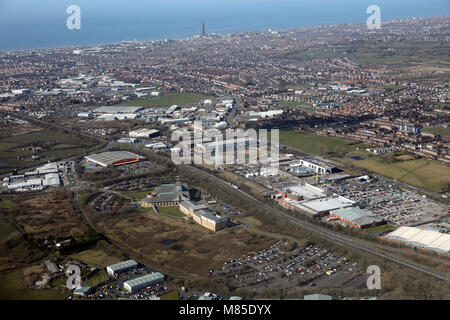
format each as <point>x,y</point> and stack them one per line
<point>118,109</point>
<point>145,279</point>
<point>210,215</point>
<point>357,215</point>
<point>123,265</point>
<point>307,191</point>
<point>327,204</point>
<point>193,205</point>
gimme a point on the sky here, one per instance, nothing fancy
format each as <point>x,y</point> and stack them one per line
<point>42,23</point>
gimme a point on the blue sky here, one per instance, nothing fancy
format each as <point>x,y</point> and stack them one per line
<point>29,23</point>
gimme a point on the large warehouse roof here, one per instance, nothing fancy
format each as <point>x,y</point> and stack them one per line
<point>107,159</point>
<point>328,204</point>
<point>306,191</point>
<point>123,265</point>
<point>428,239</point>
<point>118,109</point>
<point>155,276</point>
<point>143,132</point>
<point>357,215</point>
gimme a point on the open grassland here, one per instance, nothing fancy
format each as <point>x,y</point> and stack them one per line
<point>16,151</point>
<point>443,132</point>
<point>167,100</point>
<point>8,204</point>
<point>410,56</point>
<point>179,245</point>
<point>422,173</point>
<point>137,195</point>
<point>171,296</point>
<point>13,287</point>
<point>315,144</point>
<point>48,214</point>
<point>171,211</point>
<point>5,230</point>
<point>98,278</point>
<point>96,257</point>
<point>380,229</point>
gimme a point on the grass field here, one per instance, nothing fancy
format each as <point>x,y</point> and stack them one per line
<point>427,174</point>
<point>380,228</point>
<point>54,145</point>
<point>193,248</point>
<point>97,279</point>
<point>137,195</point>
<point>443,132</point>
<point>171,296</point>
<point>5,230</point>
<point>417,54</point>
<point>167,100</point>
<point>8,204</point>
<point>49,214</point>
<point>171,211</point>
<point>315,144</point>
<point>12,287</point>
<point>96,258</point>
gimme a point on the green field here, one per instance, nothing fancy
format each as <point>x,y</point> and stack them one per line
<point>390,53</point>
<point>443,132</point>
<point>315,144</point>
<point>293,104</point>
<point>422,173</point>
<point>167,100</point>
<point>380,228</point>
<point>98,278</point>
<point>96,258</point>
<point>137,195</point>
<point>171,211</point>
<point>5,230</point>
<point>171,296</point>
<point>55,145</point>
<point>7,204</point>
<point>12,287</point>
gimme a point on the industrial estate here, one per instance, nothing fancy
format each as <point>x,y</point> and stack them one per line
<point>362,176</point>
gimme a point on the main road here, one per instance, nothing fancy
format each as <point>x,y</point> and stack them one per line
<point>332,235</point>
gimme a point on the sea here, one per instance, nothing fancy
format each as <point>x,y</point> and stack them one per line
<point>36,24</point>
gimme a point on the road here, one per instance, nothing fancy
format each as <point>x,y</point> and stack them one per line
<point>334,236</point>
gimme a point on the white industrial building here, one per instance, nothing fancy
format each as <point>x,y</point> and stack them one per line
<point>325,205</point>
<point>157,146</point>
<point>85,115</point>
<point>318,167</point>
<point>117,268</point>
<point>226,144</point>
<point>303,191</point>
<point>428,239</point>
<point>118,109</point>
<point>45,176</point>
<point>143,282</point>
<point>168,121</point>
<point>266,114</point>
<point>119,116</point>
<point>143,133</point>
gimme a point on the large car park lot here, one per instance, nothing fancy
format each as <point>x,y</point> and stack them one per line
<point>113,289</point>
<point>273,267</point>
<point>397,206</point>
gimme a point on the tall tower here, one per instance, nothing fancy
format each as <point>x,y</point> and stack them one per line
<point>203,30</point>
